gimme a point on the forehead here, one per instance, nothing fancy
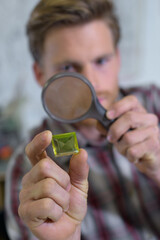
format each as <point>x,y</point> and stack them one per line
<point>93,38</point>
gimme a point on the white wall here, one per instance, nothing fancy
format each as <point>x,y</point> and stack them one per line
<point>140,50</point>
<point>16,78</point>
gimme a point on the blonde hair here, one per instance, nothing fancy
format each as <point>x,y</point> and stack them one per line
<point>50,14</point>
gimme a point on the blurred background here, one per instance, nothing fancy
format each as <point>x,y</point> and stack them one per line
<point>20,101</point>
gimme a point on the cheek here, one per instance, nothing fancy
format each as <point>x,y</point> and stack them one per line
<point>112,74</point>
<point>110,80</point>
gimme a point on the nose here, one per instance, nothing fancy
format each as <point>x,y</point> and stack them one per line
<point>90,74</point>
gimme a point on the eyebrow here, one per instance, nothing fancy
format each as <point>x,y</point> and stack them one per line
<point>107,56</point>
<point>76,63</point>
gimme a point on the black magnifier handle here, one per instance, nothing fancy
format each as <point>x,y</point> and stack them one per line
<point>100,114</point>
<point>106,122</point>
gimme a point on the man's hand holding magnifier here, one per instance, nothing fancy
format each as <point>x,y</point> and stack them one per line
<point>135,133</point>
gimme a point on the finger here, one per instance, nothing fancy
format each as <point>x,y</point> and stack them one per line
<point>35,150</point>
<point>78,171</point>
<point>128,121</point>
<point>124,105</point>
<point>37,212</point>
<point>141,150</point>
<point>136,136</point>
<point>47,188</point>
<point>46,168</point>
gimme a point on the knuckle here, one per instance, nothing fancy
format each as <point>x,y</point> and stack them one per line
<point>130,116</point>
<point>47,204</point>
<point>128,138</point>
<point>21,195</point>
<point>58,211</point>
<point>23,211</point>
<point>44,166</point>
<point>49,186</point>
<point>25,179</point>
<point>131,154</point>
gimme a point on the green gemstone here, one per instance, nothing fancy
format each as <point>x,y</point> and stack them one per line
<point>65,144</point>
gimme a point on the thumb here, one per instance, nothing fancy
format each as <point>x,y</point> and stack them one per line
<point>79,170</point>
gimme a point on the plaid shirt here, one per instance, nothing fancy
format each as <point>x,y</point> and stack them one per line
<point>123,204</point>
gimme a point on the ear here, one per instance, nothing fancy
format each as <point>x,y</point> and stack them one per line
<point>38,73</point>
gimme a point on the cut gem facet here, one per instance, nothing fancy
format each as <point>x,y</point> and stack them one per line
<point>65,144</point>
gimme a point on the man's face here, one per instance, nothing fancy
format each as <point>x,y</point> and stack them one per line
<point>87,49</point>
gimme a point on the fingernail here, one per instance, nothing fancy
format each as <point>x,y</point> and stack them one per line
<point>47,135</point>
<point>111,114</point>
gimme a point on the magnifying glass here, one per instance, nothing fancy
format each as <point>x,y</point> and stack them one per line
<point>70,98</point>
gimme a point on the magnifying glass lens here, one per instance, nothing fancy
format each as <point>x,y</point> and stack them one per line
<point>67,98</point>
<point>70,98</point>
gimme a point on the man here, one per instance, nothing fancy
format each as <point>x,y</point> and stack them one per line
<point>121,165</point>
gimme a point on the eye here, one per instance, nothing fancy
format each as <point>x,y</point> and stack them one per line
<point>101,61</point>
<point>67,68</point>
